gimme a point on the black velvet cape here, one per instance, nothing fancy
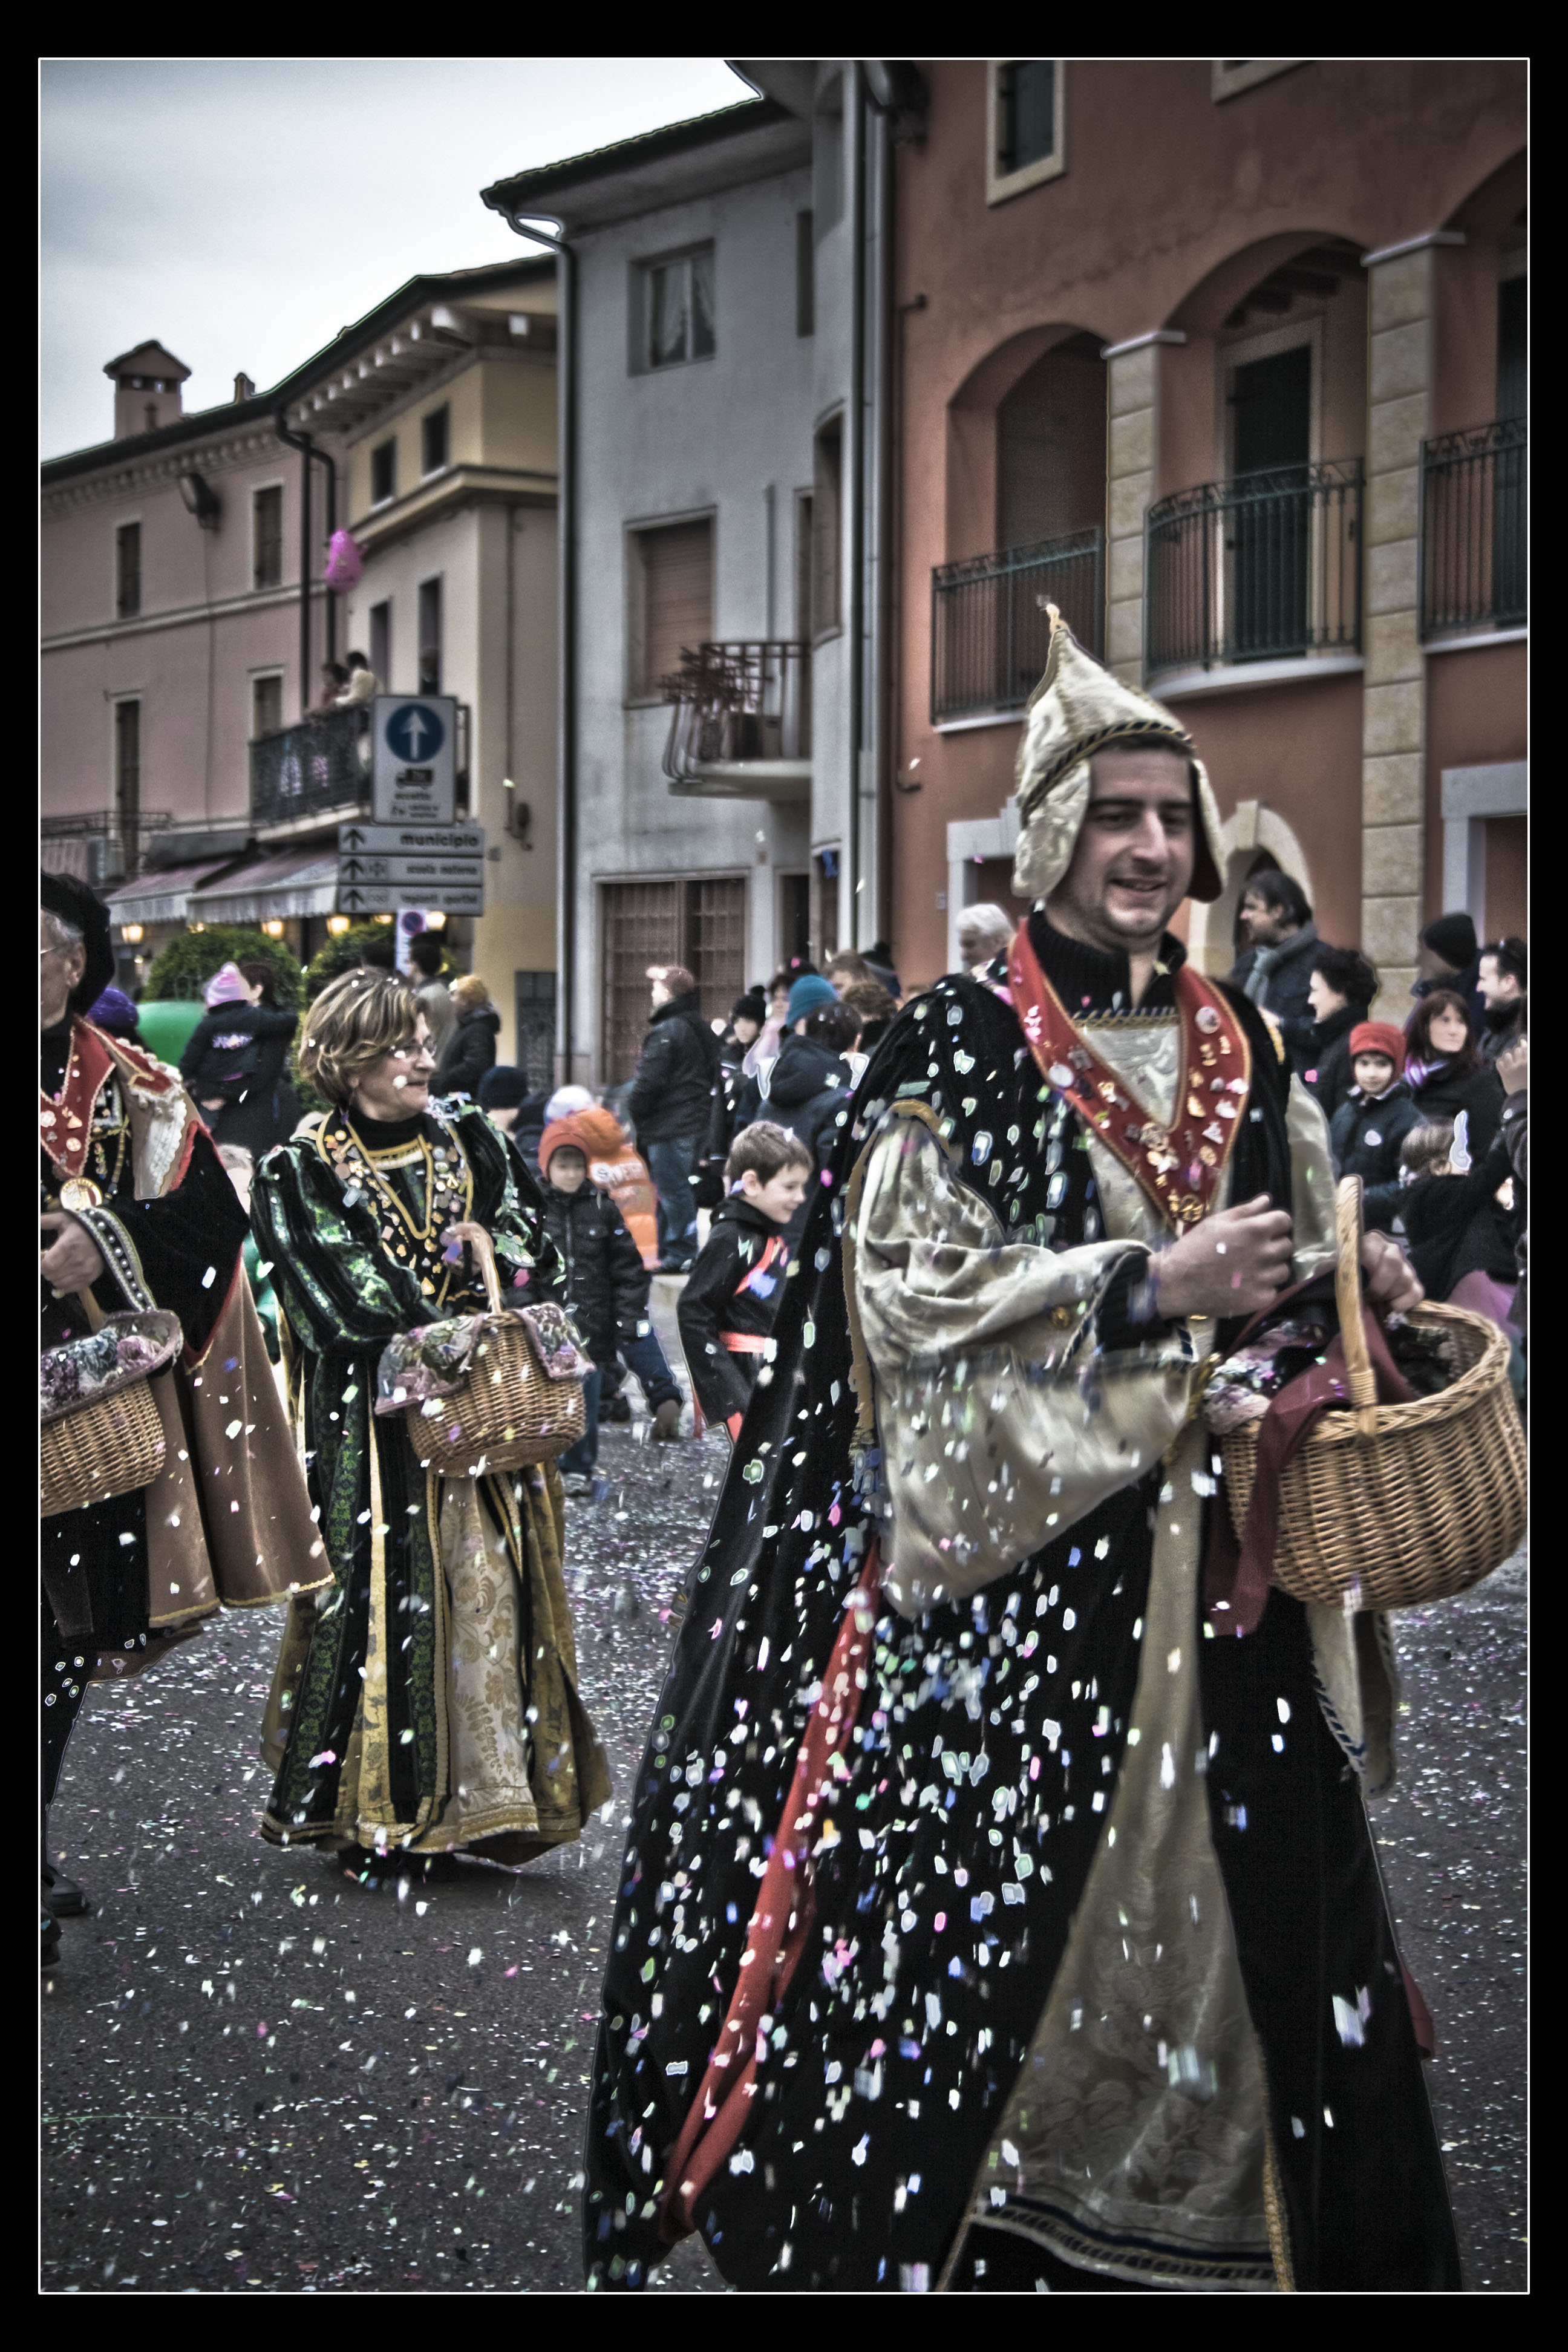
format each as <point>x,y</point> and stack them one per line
<point>896,2046</point>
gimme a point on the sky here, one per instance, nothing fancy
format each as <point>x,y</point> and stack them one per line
<point>242,212</point>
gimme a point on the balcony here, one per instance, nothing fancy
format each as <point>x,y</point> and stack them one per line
<point>100,846</point>
<point>1474,531</point>
<point>318,772</point>
<point>990,626</point>
<point>1263,568</point>
<point>740,725</point>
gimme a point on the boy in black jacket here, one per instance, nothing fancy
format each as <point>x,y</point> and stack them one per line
<point>732,1293</point>
<point>605,1289</point>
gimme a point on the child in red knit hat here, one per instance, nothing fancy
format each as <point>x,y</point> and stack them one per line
<point>1372,1123</point>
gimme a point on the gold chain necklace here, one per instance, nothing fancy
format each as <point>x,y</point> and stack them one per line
<point>448,1187</point>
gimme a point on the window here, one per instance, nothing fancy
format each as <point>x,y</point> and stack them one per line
<point>679,310</point>
<point>266,705</point>
<point>267,537</point>
<point>672,601</point>
<point>1024,114</point>
<point>433,438</point>
<point>429,637</point>
<point>804,276</point>
<point>383,473</point>
<point>699,923</point>
<point>127,571</point>
<point>1233,75</point>
<point>826,509</point>
<point>1512,348</point>
<point>128,775</point>
<point>381,642</point>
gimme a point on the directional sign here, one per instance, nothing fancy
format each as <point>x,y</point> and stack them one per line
<point>384,868</point>
<point>413,777</point>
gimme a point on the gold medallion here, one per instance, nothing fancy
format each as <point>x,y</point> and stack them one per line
<point>79,1192</point>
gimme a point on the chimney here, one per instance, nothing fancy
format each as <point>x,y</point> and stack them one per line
<point>147,393</point>
<point>243,387</point>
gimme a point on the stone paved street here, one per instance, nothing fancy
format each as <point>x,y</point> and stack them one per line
<point>259,2074</point>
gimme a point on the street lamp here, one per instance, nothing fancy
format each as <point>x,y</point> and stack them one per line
<point>131,933</point>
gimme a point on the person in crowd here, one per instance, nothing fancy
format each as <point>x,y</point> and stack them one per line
<point>1046,1897</point>
<point>362,684</point>
<point>606,1287</point>
<point>742,1031</point>
<point>427,960</point>
<point>766,1043</point>
<point>1513,1070</point>
<point>807,1087</point>
<point>428,1703</point>
<point>137,1211</point>
<point>334,678</point>
<point>1457,1212</point>
<point>241,1166</point>
<point>670,1105</point>
<point>1447,957</point>
<point>873,1008</point>
<point>727,1309</point>
<point>844,969</point>
<point>1503,977</point>
<point>470,1050</point>
<point>880,964</point>
<point>1443,1069</point>
<point>503,1093</point>
<point>115,1013</point>
<point>1370,1126</point>
<point>985,930</point>
<point>1340,997</point>
<point>1274,968</point>
<point>235,1059</point>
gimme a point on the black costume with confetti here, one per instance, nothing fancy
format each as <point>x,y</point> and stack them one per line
<point>991,1739</point>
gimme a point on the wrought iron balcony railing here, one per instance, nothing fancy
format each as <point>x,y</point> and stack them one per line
<point>989,623</point>
<point>740,705</point>
<point>1265,567</point>
<point>305,770</point>
<point>321,764</point>
<point>1474,528</point>
<point>99,845</point>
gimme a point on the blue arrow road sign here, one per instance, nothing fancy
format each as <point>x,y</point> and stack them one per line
<point>415,732</point>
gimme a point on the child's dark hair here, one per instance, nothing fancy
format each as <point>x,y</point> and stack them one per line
<point>767,1149</point>
<point>1425,1146</point>
<point>1348,973</point>
<point>835,1026</point>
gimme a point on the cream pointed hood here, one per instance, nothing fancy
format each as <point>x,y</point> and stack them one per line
<point>1078,708</point>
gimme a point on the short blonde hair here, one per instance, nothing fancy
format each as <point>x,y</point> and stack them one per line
<point>469,991</point>
<point>361,1017</point>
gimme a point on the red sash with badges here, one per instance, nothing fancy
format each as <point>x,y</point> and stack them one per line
<point>1180,1165</point>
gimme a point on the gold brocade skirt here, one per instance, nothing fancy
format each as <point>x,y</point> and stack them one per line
<point>523,1766</point>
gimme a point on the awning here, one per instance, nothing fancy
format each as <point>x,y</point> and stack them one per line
<point>160,896</point>
<point>296,882</point>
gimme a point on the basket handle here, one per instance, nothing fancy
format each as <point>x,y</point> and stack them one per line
<point>1347,1294</point>
<point>484,1250</point>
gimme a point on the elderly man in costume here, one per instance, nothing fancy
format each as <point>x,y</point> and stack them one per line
<point>1019,1925</point>
<point>428,1703</point>
<point>139,1212</point>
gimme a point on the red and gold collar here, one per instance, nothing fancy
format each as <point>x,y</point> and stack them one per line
<point>65,1120</point>
<point>1180,1167</point>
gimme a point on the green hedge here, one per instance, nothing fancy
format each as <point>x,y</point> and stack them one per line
<point>183,969</point>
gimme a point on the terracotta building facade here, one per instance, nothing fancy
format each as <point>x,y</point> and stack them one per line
<point>1226,360</point>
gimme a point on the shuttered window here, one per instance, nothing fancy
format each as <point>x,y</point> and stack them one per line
<point>266,706</point>
<point>267,542</point>
<point>701,923</point>
<point>828,496</point>
<point>674,581</point>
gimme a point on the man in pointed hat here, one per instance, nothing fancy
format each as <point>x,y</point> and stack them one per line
<point>137,1213</point>
<point>1019,1923</point>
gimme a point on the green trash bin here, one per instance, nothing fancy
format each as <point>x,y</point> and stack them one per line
<point>167,1027</point>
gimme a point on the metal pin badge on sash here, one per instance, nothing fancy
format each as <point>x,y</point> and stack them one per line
<point>79,1192</point>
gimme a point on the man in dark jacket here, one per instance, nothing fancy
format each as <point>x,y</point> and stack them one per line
<point>1503,977</point>
<point>1339,997</point>
<point>1372,1123</point>
<point>1275,969</point>
<point>728,1307</point>
<point>470,1050</point>
<point>1447,957</point>
<point>670,1104</point>
<point>807,1087</point>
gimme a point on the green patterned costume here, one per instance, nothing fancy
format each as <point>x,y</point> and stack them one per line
<point>428,1698</point>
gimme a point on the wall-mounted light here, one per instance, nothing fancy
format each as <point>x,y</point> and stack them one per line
<point>436,922</point>
<point>336,924</point>
<point>200,500</point>
<point>274,930</point>
<point>131,933</point>
<point>382,919</point>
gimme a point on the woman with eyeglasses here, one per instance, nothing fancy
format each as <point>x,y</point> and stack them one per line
<point>428,1702</point>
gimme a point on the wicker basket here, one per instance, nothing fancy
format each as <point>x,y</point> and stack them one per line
<point>507,1410</point>
<point>1388,1505</point>
<point>113,1445</point>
